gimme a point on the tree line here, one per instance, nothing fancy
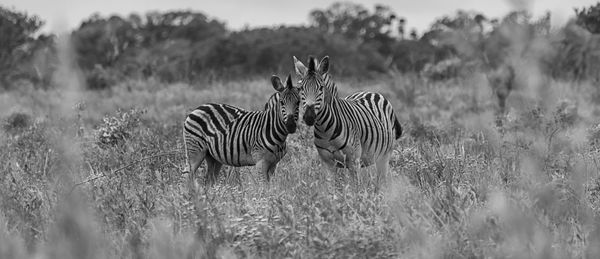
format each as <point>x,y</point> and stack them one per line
<point>189,46</point>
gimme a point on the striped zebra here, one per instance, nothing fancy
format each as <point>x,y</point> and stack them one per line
<point>353,132</point>
<point>223,134</point>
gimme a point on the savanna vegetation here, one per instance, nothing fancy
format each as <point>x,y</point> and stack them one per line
<point>499,156</point>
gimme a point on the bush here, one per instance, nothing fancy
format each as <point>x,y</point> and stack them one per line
<point>442,70</point>
<point>16,122</point>
<point>18,42</point>
<point>589,18</point>
<point>116,129</point>
<point>99,78</point>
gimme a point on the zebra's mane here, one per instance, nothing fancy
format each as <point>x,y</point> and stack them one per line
<point>330,86</point>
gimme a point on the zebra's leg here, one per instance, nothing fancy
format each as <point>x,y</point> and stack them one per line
<point>268,168</point>
<point>338,174</point>
<point>353,165</point>
<point>271,171</point>
<point>333,162</point>
<point>187,144</point>
<point>382,166</point>
<point>352,155</point>
<point>194,161</point>
<point>194,155</point>
<point>212,171</point>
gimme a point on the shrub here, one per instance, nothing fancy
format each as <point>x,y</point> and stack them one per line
<point>116,129</point>
<point>16,122</point>
<point>99,79</point>
<point>442,70</point>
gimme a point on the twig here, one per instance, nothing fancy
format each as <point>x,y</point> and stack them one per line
<point>45,168</point>
<point>174,165</point>
<point>122,168</point>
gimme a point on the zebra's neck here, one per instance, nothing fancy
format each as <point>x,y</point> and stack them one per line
<point>329,104</point>
<point>274,133</point>
<point>326,117</point>
<point>279,122</point>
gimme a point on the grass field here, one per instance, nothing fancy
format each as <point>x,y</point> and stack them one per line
<point>464,183</point>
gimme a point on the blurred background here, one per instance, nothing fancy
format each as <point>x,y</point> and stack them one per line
<point>185,41</point>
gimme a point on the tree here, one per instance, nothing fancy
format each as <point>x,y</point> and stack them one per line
<point>38,60</point>
<point>355,22</point>
<point>577,54</point>
<point>17,30</point>
<point>487,43</point>
<point>193,26</point>
<point>463,32</point>
<point>269,50</point>
<point>170,45</point>
<point>589,18</point>
<point>100,41</point>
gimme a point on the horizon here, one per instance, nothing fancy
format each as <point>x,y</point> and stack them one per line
<point>265,13</point>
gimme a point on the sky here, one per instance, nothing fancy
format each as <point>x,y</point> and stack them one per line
<point>65,15</point>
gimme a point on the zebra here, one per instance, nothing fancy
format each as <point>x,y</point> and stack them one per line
<point>223,134</point>
<point>353,132</point>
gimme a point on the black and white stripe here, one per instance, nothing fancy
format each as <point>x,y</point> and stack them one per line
<point>353,132</point>
<point>223,134</point>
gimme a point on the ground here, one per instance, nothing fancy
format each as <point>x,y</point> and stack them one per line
<point>80,179</point>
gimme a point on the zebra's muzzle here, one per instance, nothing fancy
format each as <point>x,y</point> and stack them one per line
<point>290,124</point>
<point>309,115</point>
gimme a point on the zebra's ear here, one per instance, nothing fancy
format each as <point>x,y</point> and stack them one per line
<point>288,82</point>
<point>276,82</point>
<point>300,68</point>
<point>324,65</point>
<point>312,64</point>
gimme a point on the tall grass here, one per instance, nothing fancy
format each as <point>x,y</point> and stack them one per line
<point>461,184</point>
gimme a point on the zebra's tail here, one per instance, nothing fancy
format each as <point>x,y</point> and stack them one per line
<point>397,128</point>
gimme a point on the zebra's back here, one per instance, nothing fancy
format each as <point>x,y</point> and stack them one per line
<point>379,129</point>
<point>381,107</point>
<point>372,118</point>
<point>207,120</point>
<point>250,138</point>
<point>202,126</point>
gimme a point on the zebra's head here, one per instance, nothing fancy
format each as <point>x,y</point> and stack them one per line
<point>311,87</point>
<point>289,101</point>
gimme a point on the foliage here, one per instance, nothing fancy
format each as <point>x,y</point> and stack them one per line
<point>102,41</point>
<point>99,78</point>
<point>117,129</point>
<point>16,122</point>
<point>413,55</point>
<point>187,46</point>
<point>270,45</point>
<point>355,22</point>
<point>577,54</point>
<point>442,70</point>
<point>19,47</point>
<point>381,32</point>
<point>143,46</point>
<point>475,38</point>
<point>589,18</point>
<point>517,38</point>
